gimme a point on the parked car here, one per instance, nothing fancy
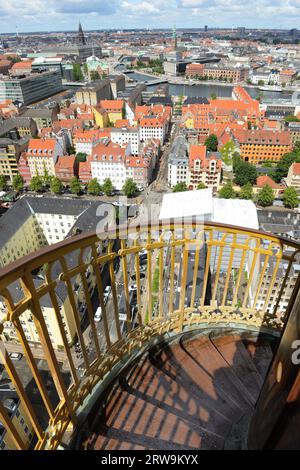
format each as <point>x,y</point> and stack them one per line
<point>16,356</point>
<point>106,293</point>
<point>98,314</point>
<point>132,288</point>
<point>142,275</point>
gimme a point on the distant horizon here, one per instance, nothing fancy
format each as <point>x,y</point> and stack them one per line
<point>178,28</point>
<point>48,16</point>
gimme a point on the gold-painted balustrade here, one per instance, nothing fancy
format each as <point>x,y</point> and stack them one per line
<point>211,275</point>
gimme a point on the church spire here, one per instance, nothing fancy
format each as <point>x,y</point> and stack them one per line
<point>81,38</point>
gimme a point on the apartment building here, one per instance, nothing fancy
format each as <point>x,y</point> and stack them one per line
<point>42,155</point>
<point>84,141</point>
<point>124,135</point>
<point>94,92</point>
<point>43,117</point>
<point>31,88</point>
<point>293,176</point>
<point>66,167</point>
<point>113,108</point>
<point>178,164</point>
<point>19,418</point>
<point>203,168</point>
<point>194,70</point>
<point>108,161</point>
<point>17,127</point>
<point>33,223</point>
<point>10,152</point>
<point>260,145</point>
<point>225,72</point>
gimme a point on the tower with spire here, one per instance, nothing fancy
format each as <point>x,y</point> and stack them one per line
<point>175,38</point>
<point>81,38</point>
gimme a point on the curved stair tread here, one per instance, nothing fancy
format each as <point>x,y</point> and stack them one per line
<point>261,355</point>
<point>206,355</point>
<point>183,395</point>
<point>235,354</point>
<point>138,417</point>
<point>199,379</point>
<point>175,395</point>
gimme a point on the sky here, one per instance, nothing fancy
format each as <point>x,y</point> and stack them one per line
<point>56,15</point>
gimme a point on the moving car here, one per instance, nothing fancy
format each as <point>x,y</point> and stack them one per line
<point>16,356</point>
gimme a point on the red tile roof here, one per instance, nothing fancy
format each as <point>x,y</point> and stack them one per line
<point>65,163</point>
<point>263,180</point>
<point>112,105</point>
<point>41,147</point>
<point>263,137</point>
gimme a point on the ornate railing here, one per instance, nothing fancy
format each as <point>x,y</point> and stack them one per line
<point>163,279</point>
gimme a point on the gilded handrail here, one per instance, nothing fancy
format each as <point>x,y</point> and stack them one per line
<point>211,274</point>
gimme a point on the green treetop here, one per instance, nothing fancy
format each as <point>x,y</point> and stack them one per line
<point>265,196</point>
<point>290,198</point>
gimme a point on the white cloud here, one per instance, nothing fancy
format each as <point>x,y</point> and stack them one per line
<point>31,15</point>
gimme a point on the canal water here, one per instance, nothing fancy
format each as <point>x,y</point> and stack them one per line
<point>205,89</point>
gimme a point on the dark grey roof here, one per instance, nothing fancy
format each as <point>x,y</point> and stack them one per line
<point>196,100</point>
<point>166,100</point>
<point>279,222</point>
<point>39,113</point>
<point>14,123</point>
<point>96,85</point>
<point>15,217</point>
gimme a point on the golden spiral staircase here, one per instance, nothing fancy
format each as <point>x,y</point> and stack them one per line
<point>200,342</point>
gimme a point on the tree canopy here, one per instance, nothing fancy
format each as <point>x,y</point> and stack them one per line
<point>94,187</point>
<point>18,182</point>
<point>107,187</point>
<point>211,143</point>
<point>201,185</point>
<point>284,164</point>
<point>81,157</point>
<point>130,188</point>
<point>290,198</point>
<point>36,184</point>
<point>246,192</point>
<point>227,192</point>
<point>179,187</point>
<point>77,73</point>
<point>3,183</point>
<point>75,186</point>
<point>56,185</point>
<point>265,196</point>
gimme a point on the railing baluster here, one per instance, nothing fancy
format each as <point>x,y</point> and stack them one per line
<point>96,268</point>
<point>114,291</point>
<point>207,267</point>
<point>218,249</point>
<point>76,317</point>
<point>161,280</point>
<point>33,367</point>
<point>183,285</point>
<point>172,269</point>
<point>149,279</point>
<point>228,274</point>
<point>126,291</point>
<point>25,402</point>
<point>40,324</point>
<point>283,285</point>
<point>138,282</point>
<point>253,264</point>
<point>238,281</point>
<point>271,284</point>
<point>195,274</point>
<point>11,429</point>
<point>261,279</point>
